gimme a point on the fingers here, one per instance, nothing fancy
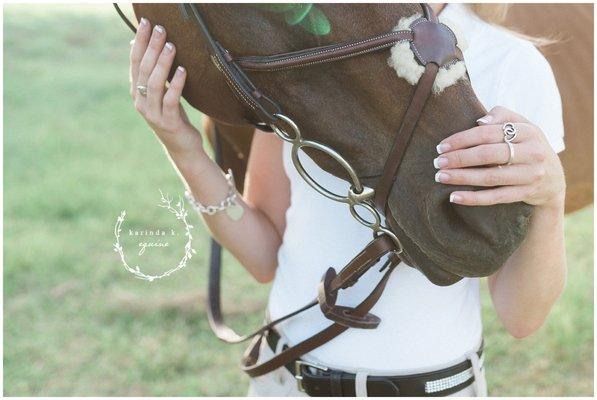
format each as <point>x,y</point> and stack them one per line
<point>137,51</point>
<point>501,195</point>
<point>489,131</point>
<point>484,134</point>
<point>501,115</point>
<point>490,177</point>
<point>157,79</point>
<point>151,61</point>
<point>171,106</point>
<point>152,52</point>
<point>485,154</point>
<point>484,147</point>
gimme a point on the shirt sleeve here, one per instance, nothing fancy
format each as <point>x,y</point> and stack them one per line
<point>528,87</point>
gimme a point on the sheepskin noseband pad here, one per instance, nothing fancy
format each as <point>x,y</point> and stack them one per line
<point>432,42</point>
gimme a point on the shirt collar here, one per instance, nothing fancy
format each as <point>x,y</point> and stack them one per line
<point>465,19</point>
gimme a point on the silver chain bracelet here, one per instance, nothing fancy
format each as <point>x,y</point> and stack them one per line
<point>229,204</point>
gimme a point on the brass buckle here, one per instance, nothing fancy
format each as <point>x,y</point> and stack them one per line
<point>298,364</point>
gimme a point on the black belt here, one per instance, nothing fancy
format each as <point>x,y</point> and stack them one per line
<point>317,380</point>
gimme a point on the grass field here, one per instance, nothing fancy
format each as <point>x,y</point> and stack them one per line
<point>75,155</point>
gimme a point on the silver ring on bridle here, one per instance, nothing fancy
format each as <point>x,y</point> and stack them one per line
<point>357,196</point>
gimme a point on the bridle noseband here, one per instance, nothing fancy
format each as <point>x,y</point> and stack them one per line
<point>434,46</point>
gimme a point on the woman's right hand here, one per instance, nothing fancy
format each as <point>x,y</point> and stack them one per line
<point>151,60</point>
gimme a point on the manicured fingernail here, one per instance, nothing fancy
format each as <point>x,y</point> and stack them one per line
<point>180,69</point>
<point>454,198</point>
<point>443,147</point>
<point>132,42</point>
<point>485,120</point>
<point>159,29</point>
<point>143,21</point>
<point>441,177</point>
<point>169,46</point>
<point>440,162</point>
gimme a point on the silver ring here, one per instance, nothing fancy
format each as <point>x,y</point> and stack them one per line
<point>511,158</point>
<point>142,89</point>
<point>510,132</point>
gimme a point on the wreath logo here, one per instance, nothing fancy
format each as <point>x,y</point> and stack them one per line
<point>181,214</point>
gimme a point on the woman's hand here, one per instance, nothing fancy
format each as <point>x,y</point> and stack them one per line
<point>151,60</point>
<point>478,156</point>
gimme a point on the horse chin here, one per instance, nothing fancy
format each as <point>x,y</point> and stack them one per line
<point>414,257</point>
<point>446,241</point>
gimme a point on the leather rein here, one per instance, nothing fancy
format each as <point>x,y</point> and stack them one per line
<point>434,46</point>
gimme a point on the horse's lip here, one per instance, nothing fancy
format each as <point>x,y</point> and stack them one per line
<point>435,273</point>
<point>394,221</point>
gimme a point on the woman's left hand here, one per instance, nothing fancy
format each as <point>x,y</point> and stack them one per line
<point>478,157</point>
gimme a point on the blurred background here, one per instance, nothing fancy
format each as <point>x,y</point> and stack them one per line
<point>76,324</point>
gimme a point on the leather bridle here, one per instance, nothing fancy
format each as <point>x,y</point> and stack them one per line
<point>434,46</point>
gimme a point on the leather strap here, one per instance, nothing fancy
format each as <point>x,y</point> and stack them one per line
<point>249,363</point>
<point>341,314</point>
<point>434,46</point>
<point>349,275</point>
<point>361,263</point>
<point>407,128</point>
<point>214,309</point>
<point>346,278</point>
<point>428,13</point>
<point>261,105</point>
<point>125,18</point>
<point>323,54</point>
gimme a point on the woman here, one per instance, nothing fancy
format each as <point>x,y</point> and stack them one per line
<point>426,328</point>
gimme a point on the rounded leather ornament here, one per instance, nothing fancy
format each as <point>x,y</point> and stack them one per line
<point>434,42</point>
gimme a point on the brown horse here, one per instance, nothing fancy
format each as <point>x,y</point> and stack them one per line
<point>575,81</point>
<point>356,106</point>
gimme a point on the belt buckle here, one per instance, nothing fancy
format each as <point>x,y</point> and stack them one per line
<point>298,364</point>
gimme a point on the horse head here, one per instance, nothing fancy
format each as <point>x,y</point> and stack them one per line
<point>355,106</point>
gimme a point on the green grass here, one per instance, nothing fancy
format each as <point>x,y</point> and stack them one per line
<point>75,155</point>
